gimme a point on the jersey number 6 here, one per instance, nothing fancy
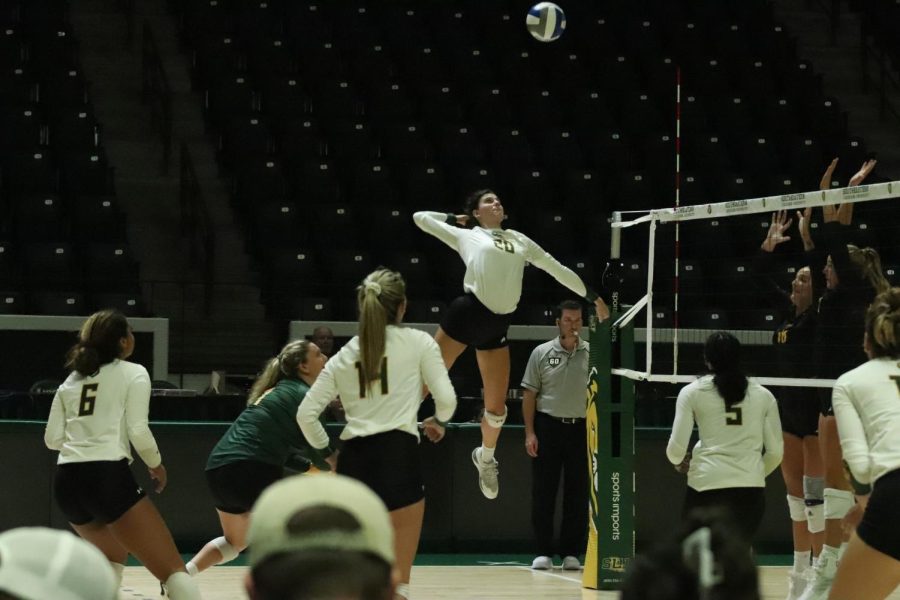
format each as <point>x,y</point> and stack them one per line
<point>734,416</point>
<point>88,397</point>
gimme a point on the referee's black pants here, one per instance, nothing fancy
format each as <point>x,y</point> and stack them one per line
<point>562,450</point>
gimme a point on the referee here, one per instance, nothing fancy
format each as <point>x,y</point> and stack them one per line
<point>553,407</point>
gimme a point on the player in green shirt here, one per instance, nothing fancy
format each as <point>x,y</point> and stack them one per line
<point>256,448</point>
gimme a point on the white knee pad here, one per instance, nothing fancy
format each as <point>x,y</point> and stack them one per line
<point>837,503</point>
<point>181,586</point>
<point>228,552</point>
<point>494,420</point>
<point>797,508</point>
<point>815,518</point>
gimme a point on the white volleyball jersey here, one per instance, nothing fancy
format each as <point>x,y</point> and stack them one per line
<point>495,261</point>
<point>411,359</point>
<point>866,404</point>
<point>729,453</point>
<point>99,417</point>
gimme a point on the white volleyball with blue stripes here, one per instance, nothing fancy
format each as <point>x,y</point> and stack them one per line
<point>545,21</point>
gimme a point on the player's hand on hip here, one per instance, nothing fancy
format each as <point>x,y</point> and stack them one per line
<point>531,445</point>
<point>159,475</point>
<point>433,431</point>
<point>601,309</point>
<point>852,518</point>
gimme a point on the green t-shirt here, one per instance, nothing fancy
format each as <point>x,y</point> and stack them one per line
<point>266,431</point>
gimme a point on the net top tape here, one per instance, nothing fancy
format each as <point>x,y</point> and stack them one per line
<point>801,200</point>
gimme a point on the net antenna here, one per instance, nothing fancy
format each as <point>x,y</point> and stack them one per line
<point>678,214</point>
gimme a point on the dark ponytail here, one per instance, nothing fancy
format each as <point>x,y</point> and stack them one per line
<point>723,355</point>
<point>98,342</point>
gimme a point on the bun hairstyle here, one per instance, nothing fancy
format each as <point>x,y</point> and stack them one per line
<point>98,342</point>
<point>723,354</point>
<point>284,365</point>
<point>471,204</point>
<point>868,263</point>
<point>380,296</point>
<point>883,324</point>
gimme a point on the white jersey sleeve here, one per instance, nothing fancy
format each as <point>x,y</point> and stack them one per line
<point>435,223</point>
<point>542,259</point>
<point>682,428</point>
<point>437,379</point>
<point>137,409</point>
<point>323,391</point>
<point>55,432</point>
<point>854,445</point>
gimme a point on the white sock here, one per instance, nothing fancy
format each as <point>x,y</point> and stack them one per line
<point>180,586</point>
<point>119,570</point>
<point>191,568</point>
<point>487,454</point>
<point>402,590</point>
<point>801,561</point>
<point>841,550</point>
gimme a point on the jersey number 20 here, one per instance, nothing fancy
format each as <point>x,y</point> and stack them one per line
<point>88,397</point>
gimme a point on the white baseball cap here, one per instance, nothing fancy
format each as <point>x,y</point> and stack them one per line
<point>37,563</point>
<point>272,515</point>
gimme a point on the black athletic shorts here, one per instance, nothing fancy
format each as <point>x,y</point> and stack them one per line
<point>880,527</point>
<point>825,407</point>
<point>236,486</point>
<point>470,322</point>
<point>745,506</point>
<point>799,411</point>
<point>388,463</point>
<point>97,491</point>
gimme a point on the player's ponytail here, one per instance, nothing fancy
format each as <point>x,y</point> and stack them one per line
<point>99,342</point>
<point>284,365</point>
<point>380,297</point>
<point>723,355</point>
<point>883,324</point>
<point>868,263</point>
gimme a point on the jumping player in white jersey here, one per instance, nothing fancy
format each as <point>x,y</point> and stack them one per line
<point>866,405</point>
<point>495,260</point>
<point>379,376</point>
<point>737,420</point>
<point>98,413</point>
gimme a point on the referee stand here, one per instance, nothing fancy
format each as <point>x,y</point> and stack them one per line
<point>610,439</point>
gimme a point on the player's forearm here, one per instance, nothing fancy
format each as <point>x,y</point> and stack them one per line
<point>529,406</point>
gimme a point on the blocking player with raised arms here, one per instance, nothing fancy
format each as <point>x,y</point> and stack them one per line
<point>379,376</point>
<point>495,260</point>
<point>866,403</point>
<point>255,450</point>
<point>737,420</point>
<point>98,413</point>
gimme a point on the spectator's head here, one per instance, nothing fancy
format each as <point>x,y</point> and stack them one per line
<point>323,337</point>
<point>883,325</point>
<point>707,560</point>
<point>104,337</point>
<point>323,536</point>
<point>37,563</point>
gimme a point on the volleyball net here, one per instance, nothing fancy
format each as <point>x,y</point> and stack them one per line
<point>678,274</point>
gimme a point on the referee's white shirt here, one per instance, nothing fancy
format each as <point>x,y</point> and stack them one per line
<point>495,261</point>
<point>412,358</point>
<point>99,417</point>
<point>866,404</point>
<point>729,453</point>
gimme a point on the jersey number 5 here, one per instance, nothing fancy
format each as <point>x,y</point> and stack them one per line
<point>734,416</point>
<point>88,397</point>
<point>382,376</point>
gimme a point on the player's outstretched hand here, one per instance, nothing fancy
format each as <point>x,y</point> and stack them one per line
<point>433,431</point>
<point>863,172</point>
<point>778,225</point>
<point>601,309</point>
<point>825,182</point>
<point>159,475</point>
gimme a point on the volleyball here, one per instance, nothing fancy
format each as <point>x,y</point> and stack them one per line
<point>545,21</point>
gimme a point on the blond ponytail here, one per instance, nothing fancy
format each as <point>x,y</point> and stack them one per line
<point>883,324</point>
<point>380,296</point>
<point>868,263</point>
<point>284,365</point>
